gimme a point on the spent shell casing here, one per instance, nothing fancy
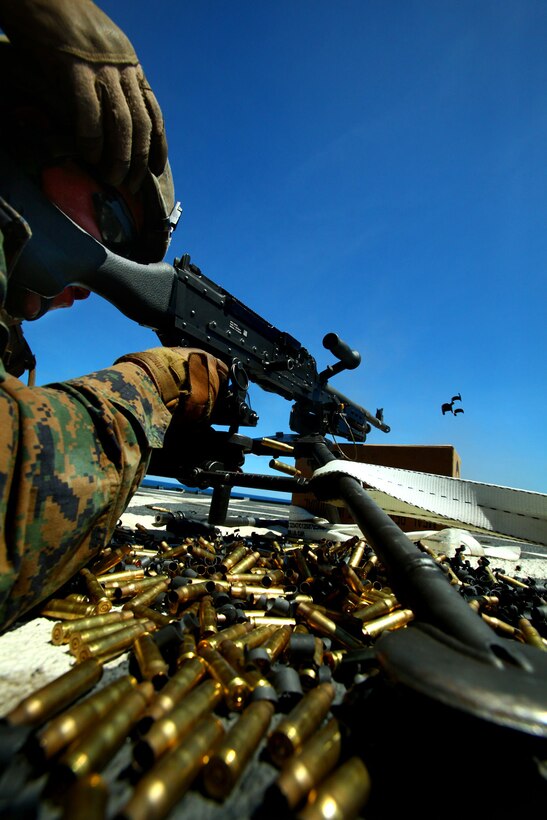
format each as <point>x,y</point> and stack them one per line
<point>357,554</point>
<point>86,799</point>
<point>96,747</point>
<point>531,635</point>
<point>187,650</point>
<point>151,615</point>
<point>245,564</point>
<point>230,757</point>
<point>254,638</point>
<point>230,633</point>
<point>236,690</point>
<point>148,596</point>
<point>62,631</point>
<point>113,644</point>
<point>237,554</point>
<point>381,607</point>
<point>351,579</point>
<point>75,721</point>
<point>270,650</point>
<point>96,591</point>
<point>131,588</point>
<point>78,639</point>
<point>169,731</point>
<point>50,699</point>
<point>308,767</point>
<point>295,728</point>
<point>233,654</point>
<point>151,663</point>
<point>342,795</point>
<point>110,559</point>
<point>182,682</point>
<point>115,579</point>
<point>65,610</point>
<point>326,626</point>
<point>394,620</point>
<point>186,594</point>
<point>207,616</point>
<point>166,783</point>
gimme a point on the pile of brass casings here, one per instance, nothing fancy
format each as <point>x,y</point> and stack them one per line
<point>238,650</point>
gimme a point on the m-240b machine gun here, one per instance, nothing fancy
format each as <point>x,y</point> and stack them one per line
<point>449,657</point>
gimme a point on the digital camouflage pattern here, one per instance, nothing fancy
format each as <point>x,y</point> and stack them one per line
<point>71,456</point>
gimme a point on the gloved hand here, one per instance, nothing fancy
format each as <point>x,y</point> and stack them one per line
<point>188,380</point>
<point>94,69</point>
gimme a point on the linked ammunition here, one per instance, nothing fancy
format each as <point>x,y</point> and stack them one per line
<point>55,696</point>
<point>306,769</point>
<point>394,620</point>
<point>236,690</point>
<point>96,747</point>
<point>163,786</point>
<point>229,759</point>
<point>182,682</point>
<point>169,731</point>
<point>62,631</point>
<point>152,666</point>
<point>74,722</point>
<point>291,733</point>
<point>342,795</point>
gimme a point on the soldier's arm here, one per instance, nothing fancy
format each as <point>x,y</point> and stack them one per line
<point>73,454</point>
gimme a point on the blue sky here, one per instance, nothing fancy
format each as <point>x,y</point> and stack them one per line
<point>376,168</point>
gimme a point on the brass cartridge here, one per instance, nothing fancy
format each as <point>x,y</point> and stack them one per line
<point>62,631</point>
<point>291,733</point>
<point>151,615</point>
<point>254,638</point>
<point>245,564</point>
<point>531,635</point>
<point>110,559</point>
<point>96,747</point>
<point>65,610</point>
<point>147,597</point>
<point>266,653</point>
<point>182,682</point>
<point>501,627</point>
<point>282,467</point>
<point>79,597</point>
<point>86,799</point>
<point>307,768</point>
<point>183,595</point>
<point>233,654</point>
<point>203,554</point>
<point>132,588</point>
<point>342,795</point>
<point>151,663</point>
<point>96,591</point>
<point>171,729</point>
<point>55,696</point>
<point>236,554</point>
<point>326,626</point>
<point>394,620</point>
<point>273,577</point>
<point>380,607</point>
<point>163,786</point>
<point>351,579</point>
<point>79,639</point>
<point>74,722</point>
<point>207,617</point>
<point>229,759</point>
<point>369,566</point>
<point>357,554</point>
<point>187,649</point>
<point>235,688</point>
<point>114,579</point>
<point>206,545</point>
<point>513,582</point>
<point>174,552</point>
<point>230,633</point>
<point>113,645</point>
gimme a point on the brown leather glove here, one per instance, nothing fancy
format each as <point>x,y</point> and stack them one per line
<point>92,66</point>
<point>188,380</point>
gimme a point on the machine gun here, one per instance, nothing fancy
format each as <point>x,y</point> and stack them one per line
<point>450,656</point>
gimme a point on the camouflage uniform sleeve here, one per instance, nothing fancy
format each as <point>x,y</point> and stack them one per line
<point>71,456</point>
